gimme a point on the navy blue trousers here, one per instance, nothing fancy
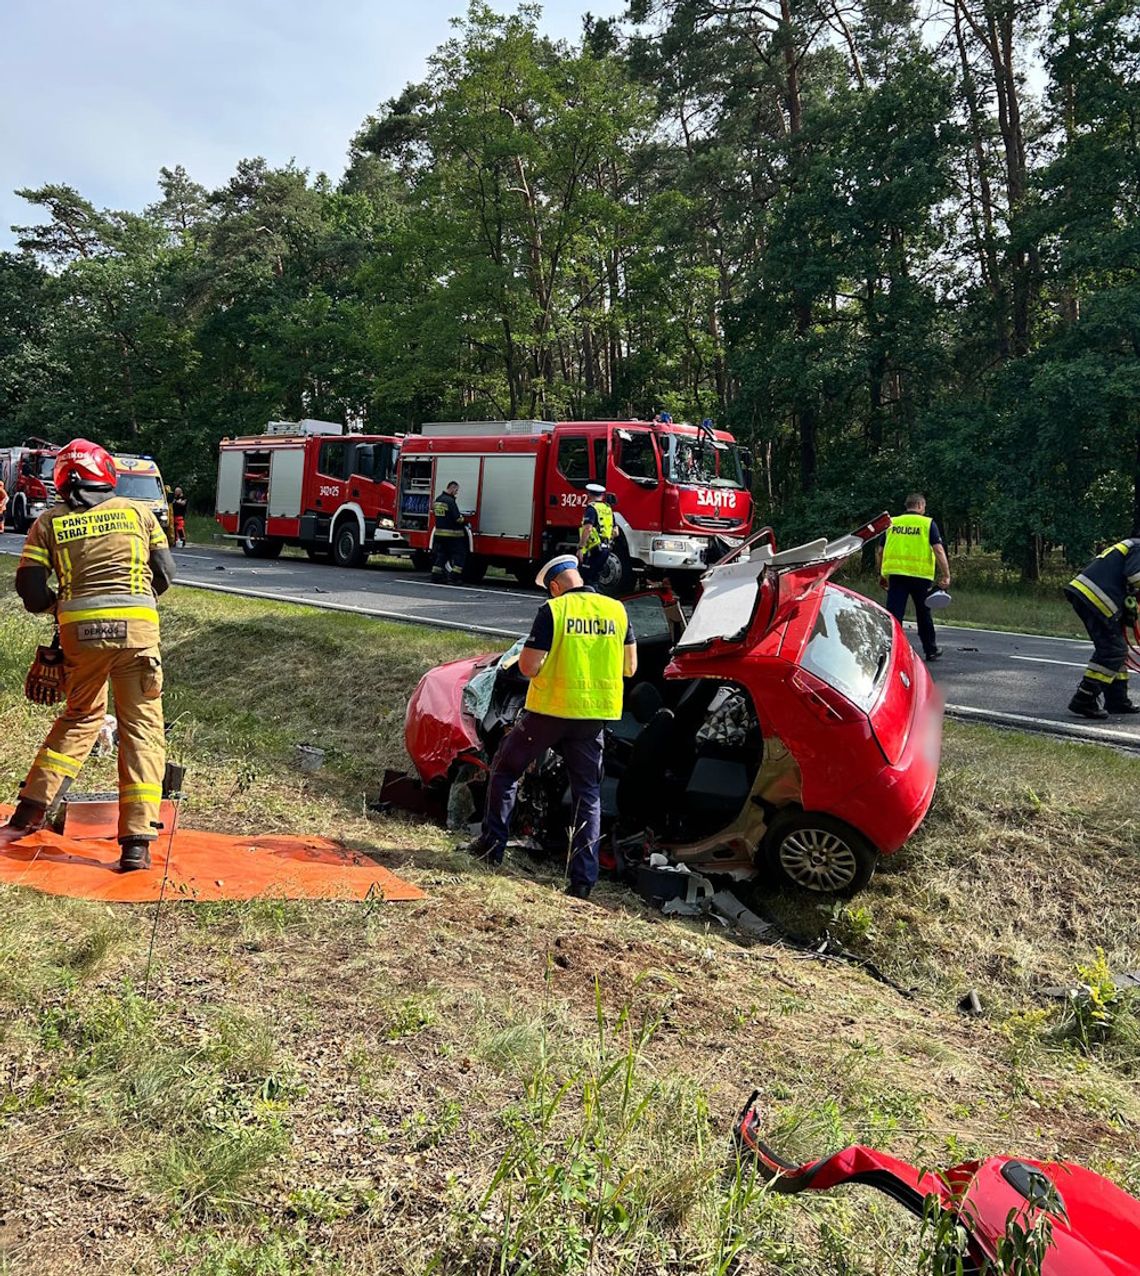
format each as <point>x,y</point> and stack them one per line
<point>902,588</point>
<point>593,562</point>
<point>579,741</point>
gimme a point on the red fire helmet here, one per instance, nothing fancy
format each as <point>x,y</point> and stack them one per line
<point>84,462</point>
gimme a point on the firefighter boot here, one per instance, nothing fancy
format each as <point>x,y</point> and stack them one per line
<point>1116,699</point>
<point>28,817</point>
<point>134,854</point>
<point>1086,704</point>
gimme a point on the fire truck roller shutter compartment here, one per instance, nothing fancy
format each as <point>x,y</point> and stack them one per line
<point>506,506</point>
<point>463,470</point>
<point>286,475</point>
<point>230,466</point>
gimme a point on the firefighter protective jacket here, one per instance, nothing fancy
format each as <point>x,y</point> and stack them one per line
<point>101,557</point>
<point>448,519</point>
<point>1111,577</point>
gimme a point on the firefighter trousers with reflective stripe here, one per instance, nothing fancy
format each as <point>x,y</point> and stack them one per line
<point>1110,651</point>
<point>449,556</point>
<point>135,675</point>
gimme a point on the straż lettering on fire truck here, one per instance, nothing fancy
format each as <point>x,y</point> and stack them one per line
<point>716,499</point>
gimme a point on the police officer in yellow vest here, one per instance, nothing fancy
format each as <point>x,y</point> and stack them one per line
<point>580,647</point>
<point>596,534</point>
<point>908,563</point>
<point>110,558</point>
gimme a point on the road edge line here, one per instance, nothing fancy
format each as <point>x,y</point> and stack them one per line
<point>1045,726</point>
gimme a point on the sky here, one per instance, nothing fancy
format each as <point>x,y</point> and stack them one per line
<point>100,94</point>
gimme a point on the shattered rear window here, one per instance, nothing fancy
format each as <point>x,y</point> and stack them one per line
<point>850,646</point>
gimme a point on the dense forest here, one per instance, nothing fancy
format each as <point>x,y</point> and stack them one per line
<point>888,245</point>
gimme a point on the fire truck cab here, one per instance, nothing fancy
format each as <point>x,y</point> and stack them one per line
<point>680,493</point>
<point>28,473</point>
<point>308,483</point>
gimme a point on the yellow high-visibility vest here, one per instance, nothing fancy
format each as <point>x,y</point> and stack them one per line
<point>582,674</point>
<point>908,551</point>
<point>603,534</point>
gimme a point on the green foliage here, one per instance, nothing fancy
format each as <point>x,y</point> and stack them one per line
<point>811,225</point>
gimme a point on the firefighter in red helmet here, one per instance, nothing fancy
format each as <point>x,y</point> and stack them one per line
<point>110,559</point>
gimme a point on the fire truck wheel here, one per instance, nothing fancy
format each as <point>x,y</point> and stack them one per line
<point>346,545</point>
<point>474,569</point>
<point>255,544</point>
<point>617,575</point>
<point>16,517</point>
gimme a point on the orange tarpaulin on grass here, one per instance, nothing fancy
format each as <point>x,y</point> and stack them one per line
<point>203,866</point>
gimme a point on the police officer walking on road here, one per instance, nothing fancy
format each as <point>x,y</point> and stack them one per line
<point>110,558</point>
<point>908,562</point>
<point>1104,595</point>
<point>450,543</point>
<point>596,534</point>
<point>580,647</point>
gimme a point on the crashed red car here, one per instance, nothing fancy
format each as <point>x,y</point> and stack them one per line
<point>788,725</point>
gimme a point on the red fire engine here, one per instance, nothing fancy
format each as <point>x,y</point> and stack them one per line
<point>28,473</point>
<point>680,493</point>
<point>308,483</point>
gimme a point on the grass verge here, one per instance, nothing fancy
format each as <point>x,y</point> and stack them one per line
<point>501,1079</point>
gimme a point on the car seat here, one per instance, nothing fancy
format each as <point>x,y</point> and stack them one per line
<point>639,788</point>
<point>641,703</point>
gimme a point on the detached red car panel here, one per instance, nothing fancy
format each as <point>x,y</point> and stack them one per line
<point>1094,1225</point>
<point>789,723</point>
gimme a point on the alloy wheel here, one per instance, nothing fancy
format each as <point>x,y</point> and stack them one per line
<point>818,860</point>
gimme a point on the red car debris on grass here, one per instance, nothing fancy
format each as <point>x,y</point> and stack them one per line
<point>1086,1225</point>
<point>789,726</point>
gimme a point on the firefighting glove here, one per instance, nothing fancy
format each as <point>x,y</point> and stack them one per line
<point>44,683</point>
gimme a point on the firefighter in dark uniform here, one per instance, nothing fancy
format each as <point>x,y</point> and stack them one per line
<point>110,558</point>
<point>1104,595</point>
<point>450,543</point>
<point>596,534</point>
<point>580,647</point>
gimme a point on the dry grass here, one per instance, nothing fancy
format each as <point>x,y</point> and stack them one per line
<point>501,1079</point>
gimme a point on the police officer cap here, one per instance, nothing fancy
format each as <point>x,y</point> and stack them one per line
<point>595,489</point>
<point>557,565</point>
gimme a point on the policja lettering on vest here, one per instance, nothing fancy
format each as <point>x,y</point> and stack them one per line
<point>589,625</point>
<point>580,647</point>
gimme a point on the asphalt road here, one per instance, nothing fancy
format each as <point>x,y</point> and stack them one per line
<point>1016,680</point>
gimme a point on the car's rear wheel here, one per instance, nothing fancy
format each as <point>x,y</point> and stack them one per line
<point>818,853</point>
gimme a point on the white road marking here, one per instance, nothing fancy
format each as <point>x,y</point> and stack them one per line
<point>432,621</point>
<point>966,630</point>
<point>1044,660</point>
<point>1094,735</point>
